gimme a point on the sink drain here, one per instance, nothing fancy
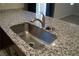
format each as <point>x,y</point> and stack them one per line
<point>31,44</point>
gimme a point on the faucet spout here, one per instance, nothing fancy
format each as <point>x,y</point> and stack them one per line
<point>42,21</point>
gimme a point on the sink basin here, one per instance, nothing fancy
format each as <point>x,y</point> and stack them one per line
<point>36,37</point>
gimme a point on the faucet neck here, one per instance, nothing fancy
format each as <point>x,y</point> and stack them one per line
<point>43,20</point>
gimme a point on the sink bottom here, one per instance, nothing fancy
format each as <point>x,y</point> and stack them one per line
<point>30,40</point>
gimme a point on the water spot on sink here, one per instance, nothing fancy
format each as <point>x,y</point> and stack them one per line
<point>27,32</point>
<point>53,44</point>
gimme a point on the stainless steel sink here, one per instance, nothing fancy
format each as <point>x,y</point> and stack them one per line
<point>36,37</point>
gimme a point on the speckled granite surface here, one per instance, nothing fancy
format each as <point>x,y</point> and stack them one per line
<point>67,42</point>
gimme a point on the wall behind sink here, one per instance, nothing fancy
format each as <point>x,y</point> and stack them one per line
<point>76,9</point>
<point>62,10</point>
<point>4,6</point>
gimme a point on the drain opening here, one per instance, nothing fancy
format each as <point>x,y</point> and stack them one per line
<point>31,44</point>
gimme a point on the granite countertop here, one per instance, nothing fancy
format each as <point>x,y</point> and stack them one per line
<point>67,42</point>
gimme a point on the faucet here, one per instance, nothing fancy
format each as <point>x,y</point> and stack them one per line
<point>41,21</point>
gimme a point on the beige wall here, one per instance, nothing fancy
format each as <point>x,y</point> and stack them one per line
<point>62,10</point>
<point>11,5</point>
<point>76,9</point>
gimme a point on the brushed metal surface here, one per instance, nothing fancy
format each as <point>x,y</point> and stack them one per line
<point>33,35</point>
